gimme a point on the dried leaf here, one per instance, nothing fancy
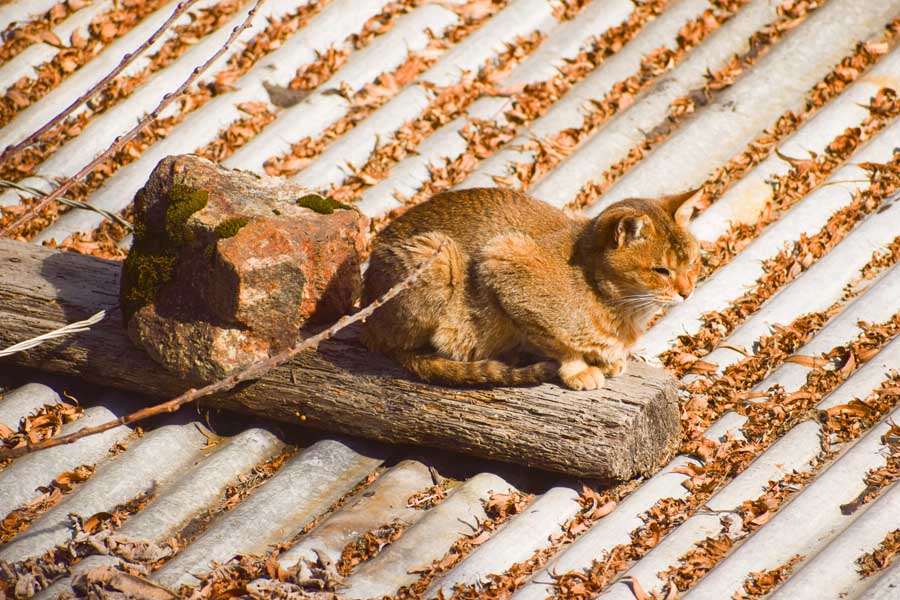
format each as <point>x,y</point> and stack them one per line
<point>253,108</point>
<point>68,64</point>
<point>854,407</point>
<point>673,592</point>
<point>108,31</point>
<point>51,38</point>
<point>95,522</point>
<point>68,479</point>
<point>701,367</point>
<point>283,97</point>
<point>811,362</point>
<point>638,590</point>
<point>877,48</point>
<point>598,512</point>
<point>18,98</point>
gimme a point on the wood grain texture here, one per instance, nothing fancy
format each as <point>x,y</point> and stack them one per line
<point>623,430</point>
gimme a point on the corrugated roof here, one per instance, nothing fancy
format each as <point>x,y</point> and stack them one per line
<point>785,112</point>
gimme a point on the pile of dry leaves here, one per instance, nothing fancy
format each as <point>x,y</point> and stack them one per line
<point>373,95</point>
<point>103,29</point>
<point>239,63</point>
<point>39,29</point>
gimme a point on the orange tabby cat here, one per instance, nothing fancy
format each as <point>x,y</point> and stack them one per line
<point>519,276</point>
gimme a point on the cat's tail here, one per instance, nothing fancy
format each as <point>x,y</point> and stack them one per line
<point>436,369</point>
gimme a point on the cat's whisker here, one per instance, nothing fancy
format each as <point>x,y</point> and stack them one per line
<point>631,304</point>
<point>654,298</point>
<point>642,304</point>
<point>625,300</point>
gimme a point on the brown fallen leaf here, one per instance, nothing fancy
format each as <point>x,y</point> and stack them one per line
<point>700,367</point>
<point>854,407</point>
<point>94,522</point>
<point>737,349</point>
<point>763,518</point>
<point>689,469</point>
<point>252,108</point>
<point>811,362</point>
<point>108,31</point>
<point>284,97</point>
<point>503,505</point>
<point>849,366</point>
<point>638,590</point>
<point>67,480</point>
<point>130,586</point>
<point>18,98</point>
<point>598,512</point>
<point>51,38</point>
<point>472,11</point>
<point>877,48</point>
<point>893,432</point>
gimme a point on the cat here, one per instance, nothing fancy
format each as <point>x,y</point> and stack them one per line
<point>517,277</point>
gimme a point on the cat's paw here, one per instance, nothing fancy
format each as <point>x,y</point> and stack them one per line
<point>614,368</point>
<point>610,368</point>
<point>589,378</point>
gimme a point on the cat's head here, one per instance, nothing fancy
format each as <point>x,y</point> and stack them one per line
<point>646,250</point>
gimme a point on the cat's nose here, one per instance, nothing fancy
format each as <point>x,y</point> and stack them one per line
<point>684,288</point>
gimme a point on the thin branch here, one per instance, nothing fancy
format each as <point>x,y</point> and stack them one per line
<point>126,60</point>
<point>56,333</point>
<point>73,203</point>
<point>127,137</point>
<point>253,371</point>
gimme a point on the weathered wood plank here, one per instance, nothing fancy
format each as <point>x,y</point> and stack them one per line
<point>615,433</point>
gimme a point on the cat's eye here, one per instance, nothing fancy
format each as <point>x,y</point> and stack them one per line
<point>662,271</point>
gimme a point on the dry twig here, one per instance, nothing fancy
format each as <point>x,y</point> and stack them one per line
<point>126,60</point>
<point>125,138</point>
<point>255,370</point>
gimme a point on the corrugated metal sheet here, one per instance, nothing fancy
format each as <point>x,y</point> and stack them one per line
<point>786,350</point>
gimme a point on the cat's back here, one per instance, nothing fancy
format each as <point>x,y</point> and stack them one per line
<point>473,216</point>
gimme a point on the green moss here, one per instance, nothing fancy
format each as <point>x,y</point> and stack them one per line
<point>153,254</point>
<point>139,230</point>
<point>229,227</point>
<point>321,204</point>
<point>183,202</point>
<point>143,273</point>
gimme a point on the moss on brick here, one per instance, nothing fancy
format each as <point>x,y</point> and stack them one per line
<point>321,204</point>
<point>151,260</point>
<point>143,273</point>
<point>183,202</point>
<point>229,227</point>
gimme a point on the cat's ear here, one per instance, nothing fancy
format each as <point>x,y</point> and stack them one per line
<point>681,206</point>
<point>630,228</point>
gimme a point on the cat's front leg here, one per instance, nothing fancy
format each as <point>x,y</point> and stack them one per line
<point>526,283</point>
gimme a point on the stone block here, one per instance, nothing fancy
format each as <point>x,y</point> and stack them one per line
<point>227,266</point>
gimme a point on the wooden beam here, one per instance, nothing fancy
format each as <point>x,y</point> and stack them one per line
<point>624,430</point>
